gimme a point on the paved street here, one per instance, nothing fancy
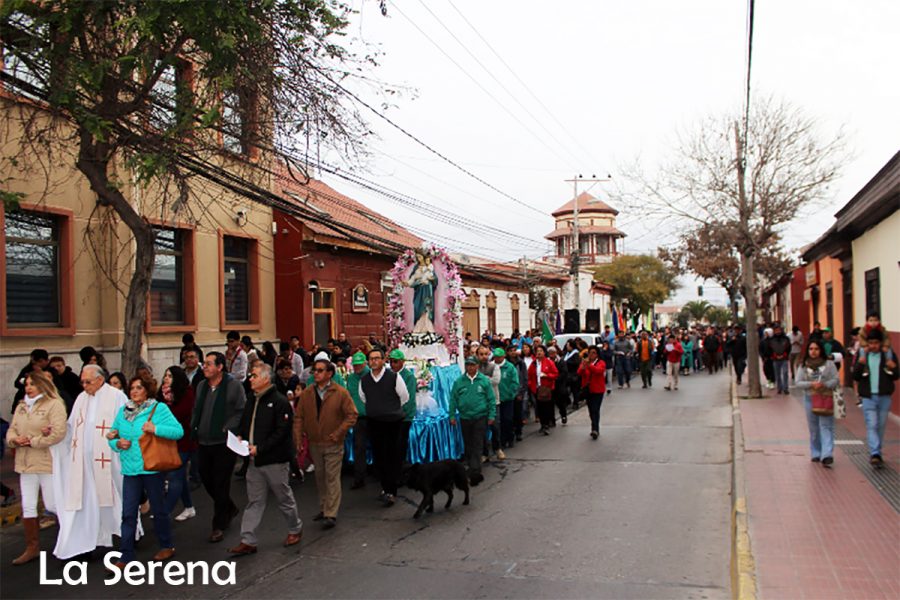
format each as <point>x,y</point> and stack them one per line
<point>642,513</point>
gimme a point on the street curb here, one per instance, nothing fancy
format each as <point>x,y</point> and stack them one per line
<point>743,567</point>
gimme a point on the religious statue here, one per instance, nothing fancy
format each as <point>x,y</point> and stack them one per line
<point>423,281</point>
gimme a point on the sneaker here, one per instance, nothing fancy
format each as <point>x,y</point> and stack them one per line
<point>876,461</point>
<point>826,462</point>
<point>595,435</point>
<point>667,388</point>
<point>188,513</point>
<point>815,459</point>
<point>501,455</point>
<point>310,468</point>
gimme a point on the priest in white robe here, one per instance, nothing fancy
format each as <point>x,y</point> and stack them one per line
<point>87,477</point>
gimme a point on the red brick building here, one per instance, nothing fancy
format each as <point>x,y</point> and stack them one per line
<point>329,281</point>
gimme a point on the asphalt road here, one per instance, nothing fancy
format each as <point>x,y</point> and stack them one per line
<point>644,512</point>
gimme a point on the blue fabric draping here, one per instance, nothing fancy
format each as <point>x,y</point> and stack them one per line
<point>431,436</point>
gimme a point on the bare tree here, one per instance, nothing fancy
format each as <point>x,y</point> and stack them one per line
<point>750,178</point>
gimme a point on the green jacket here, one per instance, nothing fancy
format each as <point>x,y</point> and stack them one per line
<point>353,388</point>
<point>509,382</point>
<point>409,409</point>
<point>473,398</point>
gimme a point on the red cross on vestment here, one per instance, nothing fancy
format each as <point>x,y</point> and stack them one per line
<point>102,460</point>
<point>103,427</point>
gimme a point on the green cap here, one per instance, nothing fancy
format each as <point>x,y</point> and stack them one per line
<point>499,352</point>
<point>396,354</point>
<point>358,359</point>
<point>471,361</point>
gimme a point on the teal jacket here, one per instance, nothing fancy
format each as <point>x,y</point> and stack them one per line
<point>409,409</point>
<point>167,426</point>
<point>509,382</point>
<point>473,398</point>
<point>353,388</point>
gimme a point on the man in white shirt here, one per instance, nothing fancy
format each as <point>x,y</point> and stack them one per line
<point>384,393</point>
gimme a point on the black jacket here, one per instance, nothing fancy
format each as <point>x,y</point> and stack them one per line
<point>272,432</point>
<point>561,387</point>
<point>779,347</point>
<point>886,378</point>
<point>739,347</point>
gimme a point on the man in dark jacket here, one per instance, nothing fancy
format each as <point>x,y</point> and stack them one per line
<point>710,351</point>
<point>739,352</point>
<point>71,382</point>
<point>875,375</point>
<point>218,409</point>
<point>266,424</point>
<point>780,351</point>
<point>561,387</point>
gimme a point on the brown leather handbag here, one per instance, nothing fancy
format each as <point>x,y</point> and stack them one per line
<point>160,454</point>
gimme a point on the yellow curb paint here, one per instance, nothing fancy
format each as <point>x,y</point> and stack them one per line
<point>743,567</point>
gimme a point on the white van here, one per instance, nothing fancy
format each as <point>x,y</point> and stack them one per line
<point>592,339</point>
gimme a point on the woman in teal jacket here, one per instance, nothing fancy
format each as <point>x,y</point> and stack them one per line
<point>687,359</point>
<point>134,419</point>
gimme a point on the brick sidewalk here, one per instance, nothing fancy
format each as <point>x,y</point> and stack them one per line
<point>814,532</point>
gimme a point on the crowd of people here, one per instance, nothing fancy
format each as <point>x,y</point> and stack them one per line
<point>80,439</point>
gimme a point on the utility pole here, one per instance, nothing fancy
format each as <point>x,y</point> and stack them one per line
<point>576,251</point>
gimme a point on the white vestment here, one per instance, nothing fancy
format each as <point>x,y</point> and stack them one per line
<point>87,476</point>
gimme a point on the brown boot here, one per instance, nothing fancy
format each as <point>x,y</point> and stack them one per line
<point>32,542</point>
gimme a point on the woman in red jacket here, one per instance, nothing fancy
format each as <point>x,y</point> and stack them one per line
<point>178,394</point>
<point>593,377</point>
<point>542,376</point>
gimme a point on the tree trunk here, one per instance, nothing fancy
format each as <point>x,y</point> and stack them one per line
<point>93,162</point>
<point>752,332</point>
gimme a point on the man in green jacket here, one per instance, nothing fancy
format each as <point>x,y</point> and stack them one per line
<point>473,396</point>
<point>398,366</point>
<point>509,387</point>
<point>360,367</point>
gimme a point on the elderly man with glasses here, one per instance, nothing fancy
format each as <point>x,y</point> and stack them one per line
<point>87,476</point>
<point>325,414</point>
<point>266,425</point>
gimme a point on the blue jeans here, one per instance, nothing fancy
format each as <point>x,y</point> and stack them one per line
<point>132,488</point>
<point>594,402</point>
<point>876,411</point>
<point>781,375</point>
<point>821,432</point>
<point>623,370</point>
<point>178,484</point>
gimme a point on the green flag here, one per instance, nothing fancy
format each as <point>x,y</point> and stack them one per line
<point>546,334</point>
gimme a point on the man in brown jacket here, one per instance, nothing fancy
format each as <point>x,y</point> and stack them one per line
<point>325,413</point>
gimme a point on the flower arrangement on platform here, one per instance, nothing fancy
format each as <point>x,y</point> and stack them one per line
<point>398,333</point>
<point>423,374</point>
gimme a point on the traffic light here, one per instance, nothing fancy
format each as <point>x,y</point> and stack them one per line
<point>700,290</point>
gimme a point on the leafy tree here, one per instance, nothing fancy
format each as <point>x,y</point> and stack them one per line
<point>139,96</point>
<point>719,316</point>
<point>639,281</point>
<point>708,251</point>
<point>752,176</point>
<point>697,309</point>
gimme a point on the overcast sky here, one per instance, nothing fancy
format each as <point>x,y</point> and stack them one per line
<point>606,81</point>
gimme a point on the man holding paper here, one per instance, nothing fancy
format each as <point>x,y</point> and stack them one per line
<point>266,426</point>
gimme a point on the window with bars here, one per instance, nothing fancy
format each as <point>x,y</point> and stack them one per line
<point>23,49</point>
<point>167,286</point>
<point>232,123</point>
<point>32,269</point>
<point>236,262</point>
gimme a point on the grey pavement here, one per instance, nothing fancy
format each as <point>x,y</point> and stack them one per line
<point>644,512</point>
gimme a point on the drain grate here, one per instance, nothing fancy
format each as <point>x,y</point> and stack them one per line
<point>886,480</point>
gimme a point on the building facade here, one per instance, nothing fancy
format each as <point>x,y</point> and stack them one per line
<point>597,233</point>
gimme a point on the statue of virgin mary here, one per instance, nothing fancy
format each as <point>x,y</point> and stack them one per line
<point>423,281</point>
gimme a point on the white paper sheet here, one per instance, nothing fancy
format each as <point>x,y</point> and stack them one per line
<point>239,447</point>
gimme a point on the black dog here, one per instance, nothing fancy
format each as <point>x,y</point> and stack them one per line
<point>430,478</point>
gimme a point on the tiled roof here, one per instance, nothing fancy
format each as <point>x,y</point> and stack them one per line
<point>586,203</point>
<point>318,197</point>
<point>602,229</point>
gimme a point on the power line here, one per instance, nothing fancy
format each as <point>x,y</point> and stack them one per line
<point>523,84</point>
<point>500,83</point>
<point>477,83</point>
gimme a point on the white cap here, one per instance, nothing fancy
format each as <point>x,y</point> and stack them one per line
<point>321,356</point>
